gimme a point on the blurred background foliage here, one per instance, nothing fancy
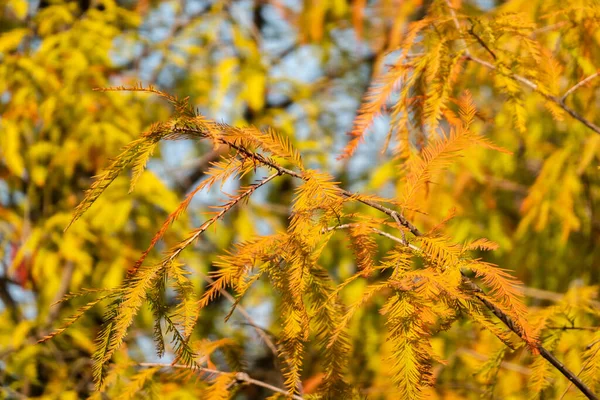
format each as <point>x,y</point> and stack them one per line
<point>301,67</point>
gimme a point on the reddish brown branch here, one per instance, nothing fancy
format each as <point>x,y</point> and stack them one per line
<point>519,331</point>
<point>479,293</point>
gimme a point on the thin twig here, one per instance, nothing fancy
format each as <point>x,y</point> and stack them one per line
<point>403,242</point>
<point>247,316</point>
<point>457,25</point>
<point>481,42</point>
<point>550,296</point>
<point>478,292</point>
<point>559,101</point>
<point>535,87</point>
<point>263,160</point>
<point>543,352</point>
<point>579,84</point>
<point>589,346</point>
<point>240,376</point>
<point>504,364</point>
<point>582,369</point>
<point>547,28</point>
<point>574,328</point>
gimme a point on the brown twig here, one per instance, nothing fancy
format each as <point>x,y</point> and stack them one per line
<point>400,219</point>
<point>580,371</point>
<point>533,86</point>
<point>481,42</point>
<point>574,328</point>
<point>220,214</point>
<point>479,293</point>
<point>239,376</point>
<point>247,316</point>
<point>558,100</point>
<point>543,352</point>
<point>506,365</point>
<point>579,84</point>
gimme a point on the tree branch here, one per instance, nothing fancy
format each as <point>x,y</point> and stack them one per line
<point>574,328</point>
<point>533,86</point>
<point>479,293</point>
<point>558,100</point>
<point>506,320</point>
<point>239,376</point>
<point>481,42</point>
<point>248,318</point>
<point>579,84</point>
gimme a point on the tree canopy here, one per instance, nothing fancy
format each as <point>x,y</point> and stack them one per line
<point>299,199</point>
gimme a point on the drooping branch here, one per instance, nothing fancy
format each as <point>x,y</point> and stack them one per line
<point>198,231</point>
<point>533,86</point>
<point>239,376</point>
<point>579,84</point>
<point>401,220</point>
<point>479,294</point>
<point>261,333</point>
<point>560,101</point>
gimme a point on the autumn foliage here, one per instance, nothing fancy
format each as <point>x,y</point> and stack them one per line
<point>399,278</point>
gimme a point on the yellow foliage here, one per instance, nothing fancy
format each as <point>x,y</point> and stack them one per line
<point>400,305</point>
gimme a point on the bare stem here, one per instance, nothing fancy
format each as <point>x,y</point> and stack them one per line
<point>557,100</point>
<point>239,376</point>
<point>579,84</point>
<point>248,318</point>
<point>457,25</point>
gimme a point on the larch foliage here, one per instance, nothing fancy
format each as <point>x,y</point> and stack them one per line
<point>418,302</point>
<point>423,284</point>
